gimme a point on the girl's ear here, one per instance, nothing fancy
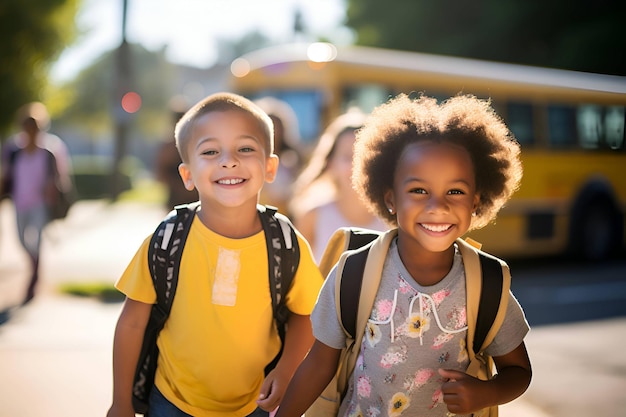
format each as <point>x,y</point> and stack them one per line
<point>390,202</point>
<point>185,175</point>
<point>271,167</point>
<point>476,201</point>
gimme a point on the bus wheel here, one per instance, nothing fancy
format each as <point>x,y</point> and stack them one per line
<point>599,232</point>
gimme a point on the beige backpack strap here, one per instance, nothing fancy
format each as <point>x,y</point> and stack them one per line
<point>327,404</point>
<point>481,366</point>
<point>473,277</point>
<point>342,240</point>
<point>336,246</point>
<point>369,288</point>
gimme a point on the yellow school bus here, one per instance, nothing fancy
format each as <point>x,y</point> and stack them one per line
<point>570,125</point>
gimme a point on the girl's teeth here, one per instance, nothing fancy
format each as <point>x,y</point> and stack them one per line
<point>436,228</point>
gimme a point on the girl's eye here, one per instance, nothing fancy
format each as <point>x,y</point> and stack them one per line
<point>456,192</point>
<point>418,191</point>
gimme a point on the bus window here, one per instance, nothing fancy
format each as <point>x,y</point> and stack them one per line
<point>589,118</point>
<point>519,118</point>
<point>307,104</point>
<point>562,126</point>
<point>614,127</point>
<point>365,97</point>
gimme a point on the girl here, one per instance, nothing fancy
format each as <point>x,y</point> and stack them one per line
<point>435,172</point>
<point>324,199</point>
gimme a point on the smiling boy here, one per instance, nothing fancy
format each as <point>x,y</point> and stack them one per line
<point>220,334</point>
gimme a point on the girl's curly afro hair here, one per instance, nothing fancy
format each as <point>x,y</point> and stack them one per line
<point>462,120</point>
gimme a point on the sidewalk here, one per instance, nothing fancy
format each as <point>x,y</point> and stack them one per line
<point>55,353</point>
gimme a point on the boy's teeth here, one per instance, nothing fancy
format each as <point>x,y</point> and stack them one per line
<point>231,181</point>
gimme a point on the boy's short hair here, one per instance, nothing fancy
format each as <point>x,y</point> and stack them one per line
<point>463,120</point>
<point>220,102</point>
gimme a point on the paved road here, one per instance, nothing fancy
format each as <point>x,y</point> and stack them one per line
<point>55,353</point>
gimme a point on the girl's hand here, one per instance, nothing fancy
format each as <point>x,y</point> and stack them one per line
<point>462,393</point>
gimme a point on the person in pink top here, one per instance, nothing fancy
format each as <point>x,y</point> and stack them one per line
<point>324,199</point>
<point>35,164</point>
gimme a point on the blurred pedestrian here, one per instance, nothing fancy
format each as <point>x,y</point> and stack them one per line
<point>35,172</point>
<point>286,146</point>
<point>167,163</point>
<point>324,199</point>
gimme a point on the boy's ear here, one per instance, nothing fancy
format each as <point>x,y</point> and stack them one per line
<point>185,175</point>
<point>271,167</point>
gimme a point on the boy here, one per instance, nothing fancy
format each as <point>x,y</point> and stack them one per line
<point>220,334</point>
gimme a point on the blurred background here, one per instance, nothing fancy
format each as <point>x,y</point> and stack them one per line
<point>112,75</point>
<point>115,75</point>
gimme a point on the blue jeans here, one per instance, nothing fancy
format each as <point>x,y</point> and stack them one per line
<point>159,406</point>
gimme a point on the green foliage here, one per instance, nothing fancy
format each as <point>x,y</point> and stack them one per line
<point>103,291</point>
<point>94,102</point>
<point>570,34</point>
<point>33,33</point>
<point>228,49</point>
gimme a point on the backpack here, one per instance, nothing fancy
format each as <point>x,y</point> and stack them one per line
<point>359,255</point>
<point>164,256</point>
<point>63,199</point>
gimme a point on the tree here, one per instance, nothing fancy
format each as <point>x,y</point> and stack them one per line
<point>33,33</point>
<point>229,49</point>
<point>91,98</point>
<point>570,34</point>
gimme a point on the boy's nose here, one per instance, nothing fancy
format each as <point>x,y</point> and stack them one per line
<point>228,160</point>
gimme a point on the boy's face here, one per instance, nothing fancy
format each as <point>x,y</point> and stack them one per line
<point>227,161</point>
<point>434,194</point>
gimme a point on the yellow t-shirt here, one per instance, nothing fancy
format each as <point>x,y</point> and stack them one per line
<point>220,334</point>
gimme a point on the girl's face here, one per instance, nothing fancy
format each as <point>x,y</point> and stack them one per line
<point>227,163</point>
<point>340,164</point>
<point>434,194</point>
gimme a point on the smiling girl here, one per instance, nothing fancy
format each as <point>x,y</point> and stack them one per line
<point>435,171</point>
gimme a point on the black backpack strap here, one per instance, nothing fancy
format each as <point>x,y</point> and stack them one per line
<point>350,289</point>
<point>165,252</point>
<point>352,276</point>
<point>360,237</point>
<point>164,256</point>
<point>7,180</point>
<point>490,296</point>
<point>283,254</point>
<point>13,155</point>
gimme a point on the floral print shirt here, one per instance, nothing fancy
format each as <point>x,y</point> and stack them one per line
<point>412,332</point>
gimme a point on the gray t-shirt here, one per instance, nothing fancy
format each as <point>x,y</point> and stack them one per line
<point>412,331</point>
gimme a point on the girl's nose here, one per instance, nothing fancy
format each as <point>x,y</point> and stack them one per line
<point>436,204</point>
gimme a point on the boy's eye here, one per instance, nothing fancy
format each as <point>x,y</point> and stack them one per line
<point>246,149</point>
<point>209,152</point>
